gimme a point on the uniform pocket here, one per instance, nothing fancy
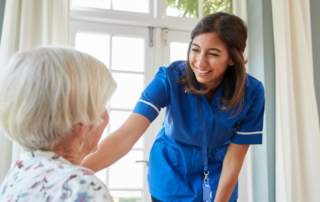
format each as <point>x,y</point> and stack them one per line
<point>163,173</point>
<point>215,164</point>
<point>229,132</point>
<point>219,154</point>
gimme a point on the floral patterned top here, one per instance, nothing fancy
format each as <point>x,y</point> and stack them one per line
<point>46,176</point>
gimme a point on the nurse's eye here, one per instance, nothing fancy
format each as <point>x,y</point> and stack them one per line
<point>195,50</point>
<point>213,54</point>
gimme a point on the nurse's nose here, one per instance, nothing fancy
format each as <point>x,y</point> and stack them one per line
<point>202,60</point>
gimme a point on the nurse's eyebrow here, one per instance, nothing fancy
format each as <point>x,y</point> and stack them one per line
<point>215,49</point>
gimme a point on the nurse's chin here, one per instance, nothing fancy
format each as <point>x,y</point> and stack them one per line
<point>204,81</point>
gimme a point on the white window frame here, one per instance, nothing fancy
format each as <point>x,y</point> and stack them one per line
<point>155,18</point>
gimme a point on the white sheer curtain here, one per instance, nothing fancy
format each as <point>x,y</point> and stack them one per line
<point>298,137</point>
<point>29,24</point>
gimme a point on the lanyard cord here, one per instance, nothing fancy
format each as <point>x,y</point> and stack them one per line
<point>217,121</point>
<point>203,132</point>
<point>216,126</point>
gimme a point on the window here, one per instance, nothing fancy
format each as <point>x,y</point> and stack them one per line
<point>126,52</point>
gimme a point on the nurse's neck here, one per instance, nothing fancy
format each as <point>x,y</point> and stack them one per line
<point>213,89</point>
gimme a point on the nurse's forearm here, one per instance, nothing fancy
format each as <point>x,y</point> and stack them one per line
<point>117,144</point>
<point>227,182</point>
<point>110,150</point>
<point>232,164</point>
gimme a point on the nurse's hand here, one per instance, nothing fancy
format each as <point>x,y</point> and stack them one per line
<point>232,164</point>
<point>117,144</point>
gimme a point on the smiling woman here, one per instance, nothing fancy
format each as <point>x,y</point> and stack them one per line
<point>217,45</point>
<point>209,61</point>
<point>209,122</point>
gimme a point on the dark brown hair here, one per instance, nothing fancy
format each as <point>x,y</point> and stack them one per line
<point>233,32</point>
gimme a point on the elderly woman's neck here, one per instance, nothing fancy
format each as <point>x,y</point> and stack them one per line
<point>74,157</point>
<point>69,150</point>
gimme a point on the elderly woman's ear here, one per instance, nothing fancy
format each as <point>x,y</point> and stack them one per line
<point>78,129</point>
<point>90,135</point>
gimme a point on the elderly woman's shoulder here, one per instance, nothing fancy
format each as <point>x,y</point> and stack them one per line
<point>43,178</point>
<point>86,184</point>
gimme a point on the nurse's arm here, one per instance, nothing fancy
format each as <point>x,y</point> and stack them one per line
<point>117,144</point>
<point>232,164</point>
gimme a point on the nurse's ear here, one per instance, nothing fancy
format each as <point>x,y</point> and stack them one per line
<point>230,63</point>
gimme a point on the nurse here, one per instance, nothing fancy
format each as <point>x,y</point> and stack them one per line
<point>214,111</point>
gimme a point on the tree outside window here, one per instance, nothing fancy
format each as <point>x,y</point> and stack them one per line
<point>189,8</point>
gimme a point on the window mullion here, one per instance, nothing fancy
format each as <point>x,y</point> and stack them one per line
<point>200,7</point>
<point>110,52</point>
<point>160,8</point>
<point>152,8</point>
<point>107,169</point>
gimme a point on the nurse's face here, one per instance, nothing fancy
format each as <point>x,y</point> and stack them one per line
<point>209,59</point>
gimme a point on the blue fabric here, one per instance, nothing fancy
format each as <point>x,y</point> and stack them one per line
<point>156,200</point>
<point>176,163</point>
<point>202,135</point>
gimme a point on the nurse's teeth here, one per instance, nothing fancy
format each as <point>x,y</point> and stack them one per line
<point>204,72</point>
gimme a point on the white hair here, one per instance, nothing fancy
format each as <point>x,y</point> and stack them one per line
<point>45,91</point>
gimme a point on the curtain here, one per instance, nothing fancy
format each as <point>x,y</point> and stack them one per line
<point>28,24</point>
<point>298,137</point>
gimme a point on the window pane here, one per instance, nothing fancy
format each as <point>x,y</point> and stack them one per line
<point>125,173</point>
<point>183,8</point>
<point>96,45</point>
<point>128,54</point>
<point>213,6</point>
<point>178,51</point>
<point>126,196</point>
<point>140,6</point>
<point>128,91</point>
<point>92,3</point>
<point>117,118</point>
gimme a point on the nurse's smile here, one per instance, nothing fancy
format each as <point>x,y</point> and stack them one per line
<point>203,72</point>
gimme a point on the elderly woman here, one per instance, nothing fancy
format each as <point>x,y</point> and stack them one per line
<point>52,103</point>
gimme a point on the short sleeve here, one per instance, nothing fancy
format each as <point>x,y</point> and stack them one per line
<point>250,129</point>
<point>154,97</point>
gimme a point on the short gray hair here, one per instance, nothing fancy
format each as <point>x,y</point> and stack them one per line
<point>45,91</point>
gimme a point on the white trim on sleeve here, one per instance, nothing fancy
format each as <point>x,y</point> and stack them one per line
<point>148,103</point>
<point>251,133</point>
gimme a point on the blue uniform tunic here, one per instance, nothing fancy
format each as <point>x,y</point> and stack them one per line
<point>176,164</point>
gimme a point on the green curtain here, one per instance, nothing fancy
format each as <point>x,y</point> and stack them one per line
<point>2,6</point>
